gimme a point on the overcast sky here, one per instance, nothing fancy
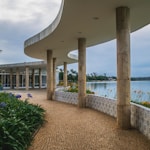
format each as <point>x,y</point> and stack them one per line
<point>21,19</point>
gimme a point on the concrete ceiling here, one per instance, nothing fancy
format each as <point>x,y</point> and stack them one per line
<point>94,20</point>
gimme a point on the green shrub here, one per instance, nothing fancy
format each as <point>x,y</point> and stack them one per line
<point>74,89</point>
<point>18,122</point>
<point>144,103</point>
<point>61,83</point>
<point>89,92</point>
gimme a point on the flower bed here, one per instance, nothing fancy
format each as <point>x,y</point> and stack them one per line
<point>18,121</point>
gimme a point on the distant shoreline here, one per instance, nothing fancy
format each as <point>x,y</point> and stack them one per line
<point>116,80</point>
<point>140,78</point>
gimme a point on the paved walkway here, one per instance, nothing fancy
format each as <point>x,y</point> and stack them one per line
<point>71,128</point>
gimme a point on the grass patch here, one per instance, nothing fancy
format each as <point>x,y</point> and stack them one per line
<point>18,121</point>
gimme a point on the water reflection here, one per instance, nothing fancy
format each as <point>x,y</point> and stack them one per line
<point>95,85</point>
<point>140,90</point>
<point>107,89</point>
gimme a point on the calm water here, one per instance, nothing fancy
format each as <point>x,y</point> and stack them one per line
<point>140,90</point>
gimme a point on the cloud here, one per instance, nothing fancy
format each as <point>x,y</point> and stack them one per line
<point>19,11</point>
<point>21,19</point>
<point>102,58</point>
<point>140,52</point>
<point>12,52</point>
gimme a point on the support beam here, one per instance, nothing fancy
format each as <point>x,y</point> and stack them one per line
<point>33,79</point>
<point>123,67</point>
<point>40,78</point>
<point>54,77</point>
<point>2,77</point>
<point>82,72</point>
<point>27,78</point>
<point>65,74</point>
<point>17,78</point>
<point>49,75</point>
<point>11,78</point>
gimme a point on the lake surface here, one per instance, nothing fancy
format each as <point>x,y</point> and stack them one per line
<point>140,90</point>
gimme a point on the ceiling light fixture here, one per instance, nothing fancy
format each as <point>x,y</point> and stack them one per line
<point>95,18</point>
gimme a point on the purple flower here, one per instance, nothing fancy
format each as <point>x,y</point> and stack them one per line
<point>18,96</point>
<point>3,104</point>
<point>29,95</point>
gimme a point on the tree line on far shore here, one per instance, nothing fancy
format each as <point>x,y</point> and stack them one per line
<point>73,76</point>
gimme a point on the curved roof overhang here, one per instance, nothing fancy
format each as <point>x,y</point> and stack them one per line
<point>94,20</point>
<point>22,66</point>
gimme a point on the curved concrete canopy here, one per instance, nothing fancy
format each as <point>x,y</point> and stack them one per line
<point>22,66</point>
<point>94,20</point>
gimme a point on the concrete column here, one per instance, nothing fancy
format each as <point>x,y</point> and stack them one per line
<point>11,78</point>
<point>40,78</point>
<point>33,79</point>
<point>123,67</point>
<point>2,78</point>
<point>54,77</point>
<point>49,75</point>
<point>17,78</point>
<point>27,78</point>
<point>65,74</point>
<point>82,72</point>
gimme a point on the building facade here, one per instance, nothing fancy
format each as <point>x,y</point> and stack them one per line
<point>24,75</point>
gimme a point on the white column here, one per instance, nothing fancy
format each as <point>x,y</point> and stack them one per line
<point>81,72</point>
<point>27,78</point>
<point>11,78</point>
<point>40,78</point>
<point>123,67</point>
<point>49,75</point>
<point>54,77</point>
<point>2,77</point>
<point>17,78</point>
<point>33,79</point>
<point>65,74</point>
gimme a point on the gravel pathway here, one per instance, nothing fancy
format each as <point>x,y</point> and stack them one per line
<point>71,128</point>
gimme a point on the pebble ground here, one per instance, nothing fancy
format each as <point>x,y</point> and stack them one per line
<point>70,128</point>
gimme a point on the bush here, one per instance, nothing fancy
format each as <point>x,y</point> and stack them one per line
<point>144,103</point>
<point>18,121</point>
<point>74,88</point>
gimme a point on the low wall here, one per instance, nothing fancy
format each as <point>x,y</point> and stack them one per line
<point>140,116</point>
<point>67,97</point>
<point>102,104</point>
